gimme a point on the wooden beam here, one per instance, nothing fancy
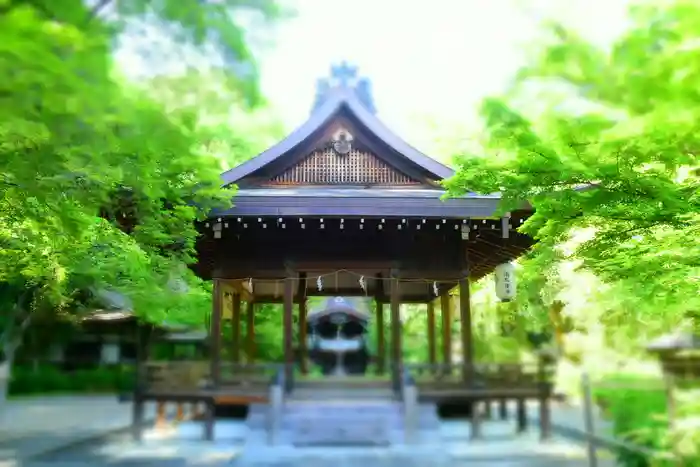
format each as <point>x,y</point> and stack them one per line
<point>432,354</point>
<point>250,331</point>
<point>446,315</point>
<point>215,347</point>
<point>144,333</point>
<point>236,328</point>
<point>343,292</point>
<point>240,288</point>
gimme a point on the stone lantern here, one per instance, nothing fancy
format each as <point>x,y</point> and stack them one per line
<point>679,354</point>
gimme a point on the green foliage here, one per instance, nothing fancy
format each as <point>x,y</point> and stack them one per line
<point>45,379</point>
<point>610,166</point>
<point>603,144</point>
<point>211,96</point>
<point>100,185</point>
<point>638,411</point>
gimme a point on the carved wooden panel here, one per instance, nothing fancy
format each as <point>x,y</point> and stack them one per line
<point>328,167</point>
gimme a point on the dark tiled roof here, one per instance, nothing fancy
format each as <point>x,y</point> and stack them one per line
<point>336,100</point>
<point>333,201</point>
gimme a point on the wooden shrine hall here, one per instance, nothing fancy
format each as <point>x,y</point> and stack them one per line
<point>344,207</point>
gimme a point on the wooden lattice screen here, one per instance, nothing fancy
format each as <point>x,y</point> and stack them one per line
<point>326,167</point>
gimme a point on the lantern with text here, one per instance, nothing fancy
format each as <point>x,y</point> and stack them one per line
<point>505,281</point>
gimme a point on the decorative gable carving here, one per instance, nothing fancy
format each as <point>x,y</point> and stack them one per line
<point>352,166</point>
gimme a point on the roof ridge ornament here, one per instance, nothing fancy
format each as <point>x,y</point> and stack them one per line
<point>343,76</point>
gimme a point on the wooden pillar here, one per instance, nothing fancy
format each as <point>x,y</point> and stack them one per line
<point>215,333</point>
<point>301,298</point>
<point>446,315</point>
<point>160,414</point>
<point>209,420</point>
<point>396,347</point>
<point>287,325</point>
<point>503,409</point>
<point>465,315</point>
<point>143,335</point>
<point>381,341</point>
<point>250,331</point>
<point>488,409</point>
<point>476,432</point>
<point>236,328</point>
<point>303,350</point>
<point>432,351</point>
<point>521,415</point>
<point>194,411</point>
<point>544,400</point>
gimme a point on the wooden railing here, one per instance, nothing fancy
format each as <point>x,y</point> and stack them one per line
<point>247,374</point>
<point>192,375</point>
<point>175,376</point>
<point>277,389</point>
<point>188,385</point>
<point>484,383</point>
<point>409,398</point>
<point>482,378</point>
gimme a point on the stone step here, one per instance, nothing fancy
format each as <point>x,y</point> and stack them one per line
<point>341,394</point>
<point>342,382</point>
<point>398,424</point>
<point>258,438</point>
<point>320,413</point>
<point>334,431</point>
<point>350,409</point>
<point>343,423</point>
<point>424,415</point>
<point>315,414</point>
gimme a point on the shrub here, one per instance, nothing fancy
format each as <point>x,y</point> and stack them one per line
<point>638,410</point>
<point>26,380</point>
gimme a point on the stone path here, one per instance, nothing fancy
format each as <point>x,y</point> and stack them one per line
<point>183,447</point>
<point>36,425</point>
<point>82,425</point>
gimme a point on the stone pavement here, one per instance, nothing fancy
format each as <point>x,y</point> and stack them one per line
<point>183,447</point>
<point>89,431</point>
<point>35,425</point>
<point>566,418</point>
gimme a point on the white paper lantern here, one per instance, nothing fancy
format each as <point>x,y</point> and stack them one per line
<point>504,275</point>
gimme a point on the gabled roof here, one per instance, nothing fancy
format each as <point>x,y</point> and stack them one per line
<point>333,102</point>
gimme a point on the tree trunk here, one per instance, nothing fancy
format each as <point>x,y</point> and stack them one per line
<point>5,367</point>
<point>9,343</point>
<point>555,316</point>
